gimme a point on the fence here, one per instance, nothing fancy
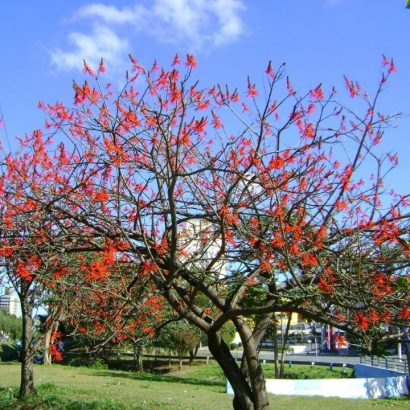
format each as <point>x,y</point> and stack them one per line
<point>363,388</point>
<point>388,363</point>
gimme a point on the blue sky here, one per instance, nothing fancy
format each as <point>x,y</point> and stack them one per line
<point>43,44</point>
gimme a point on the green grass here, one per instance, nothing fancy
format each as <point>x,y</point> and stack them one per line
<point>301,371</point>
<point>70,388</point>
<point>195,387</point>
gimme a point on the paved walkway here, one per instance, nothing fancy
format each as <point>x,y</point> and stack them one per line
<point>310,357</point>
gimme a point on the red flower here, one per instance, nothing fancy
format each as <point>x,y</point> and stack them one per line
<point>216,122</point>
<point>269,70</point>
<point>317,93</point>
<point>190,61</point>
<point>176,60</point>
<point>405,313</point>
<point>361,321</point>
<point>101,67</point>
<point>391,68</point>
<point>88,69</point>
<point>353,91</point>
<point>56,352</point>
<point>252,92</point>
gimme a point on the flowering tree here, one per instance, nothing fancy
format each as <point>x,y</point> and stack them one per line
<point>112,305</point>
<point>32,268</point>
<point>94,294</point>
<point>286,212</point>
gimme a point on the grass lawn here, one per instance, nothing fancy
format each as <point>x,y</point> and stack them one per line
<point>195,387</point>
<point>302,371</point>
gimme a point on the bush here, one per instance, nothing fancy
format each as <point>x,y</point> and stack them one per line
<point>80,360</point>
<point>98,364</point>
<point>9,352</point>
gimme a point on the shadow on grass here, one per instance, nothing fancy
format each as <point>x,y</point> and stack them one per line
<point>159,378</point>
<point>51,397</point>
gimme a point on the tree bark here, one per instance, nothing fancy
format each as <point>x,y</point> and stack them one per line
<point>180,360</point>
<point>138,351</point>
<point>140,360</point>
<point>192,354</point>
<point>275,349</point>
<point>27,354</point>
<point>259,331</point>
<point>243,397</point>
<point>47,355</point>
<point>254,367</point>
<point>283,350</point>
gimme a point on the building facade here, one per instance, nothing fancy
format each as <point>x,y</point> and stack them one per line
<point>9,302</point>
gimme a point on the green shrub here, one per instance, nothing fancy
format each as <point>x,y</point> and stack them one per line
<point>98,364</point>
<point>8,352</point>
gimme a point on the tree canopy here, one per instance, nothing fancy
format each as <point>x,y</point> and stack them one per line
<point>225,204</point>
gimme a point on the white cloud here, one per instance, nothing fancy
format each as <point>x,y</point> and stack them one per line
<point>102,42</point>
<point>198,23</point>
<point>231,25</point>
<point>192,24</point>
<point>110,14</point>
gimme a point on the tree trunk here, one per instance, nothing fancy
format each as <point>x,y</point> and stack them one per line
<point>140,361</point>
<point>180,360</point>
<point>283,351</point>
<point>47,355</point>
<point>135,356</point>
<point>275,349</point>
<point>27,354</point>
<point>259,331</point>
<point>243,397</point>
<point>254,367</point>
<point>138,350</point>
<point>192,354</point>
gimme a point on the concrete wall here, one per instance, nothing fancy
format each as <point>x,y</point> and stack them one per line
<point>363,388</point>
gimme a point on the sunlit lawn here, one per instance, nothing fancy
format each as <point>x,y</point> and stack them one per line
<point>195,387</point>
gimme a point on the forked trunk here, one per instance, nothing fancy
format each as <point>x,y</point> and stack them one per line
<point>254,372</point>
<point>27,354</point>
<point>244,396</point>
<point>243,399</point>
<point>259,331</point>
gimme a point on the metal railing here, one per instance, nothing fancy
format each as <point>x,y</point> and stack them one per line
<point>389,363</point>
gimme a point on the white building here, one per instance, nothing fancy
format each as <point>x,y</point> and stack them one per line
<point>199,243</point>
<point>9,302</point>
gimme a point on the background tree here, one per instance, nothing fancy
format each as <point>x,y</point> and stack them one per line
<point>179,337</point>
<point>32,267</point>
<point>10,325</point>
<point>111,306</point>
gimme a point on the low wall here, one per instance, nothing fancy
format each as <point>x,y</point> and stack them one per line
<point>358,388</point>
<point>364,370</point>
